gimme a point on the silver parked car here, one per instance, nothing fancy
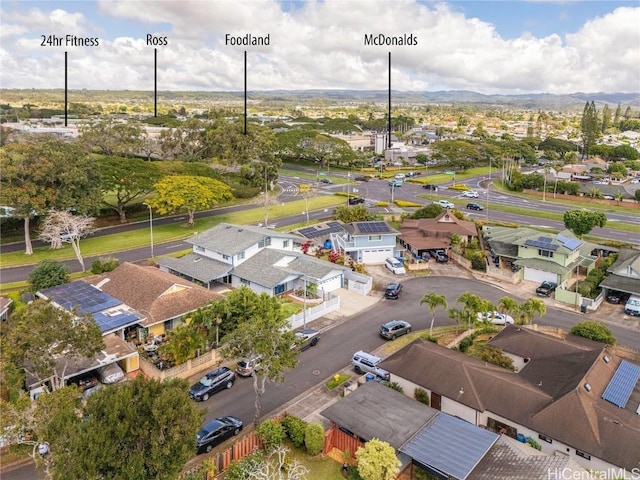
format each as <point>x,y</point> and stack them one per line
<point>395,328</point>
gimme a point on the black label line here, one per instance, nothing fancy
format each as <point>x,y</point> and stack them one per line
<point>245,92</point>
<point>155,82</point>
<point>66,111</point>
<point>389,114</point>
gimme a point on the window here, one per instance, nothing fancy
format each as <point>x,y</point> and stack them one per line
<point>285,244</point>
<point>261,243</point>
<point>375,238</point>
<point>267,241</point>
<point>241,255</point>
<point>225,257</point>
<point>545,253</point>
<point>582,454</point>
<point>245,281</point>
<point>199,249</point>
<point>544,438</point>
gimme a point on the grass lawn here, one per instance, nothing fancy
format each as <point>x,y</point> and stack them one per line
<point>460,177</point>
<point>165,233</point>
<point>320,468</point>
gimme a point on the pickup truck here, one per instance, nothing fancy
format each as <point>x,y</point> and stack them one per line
<point>545,289</point>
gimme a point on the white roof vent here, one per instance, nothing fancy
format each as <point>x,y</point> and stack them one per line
<point>587,387</point>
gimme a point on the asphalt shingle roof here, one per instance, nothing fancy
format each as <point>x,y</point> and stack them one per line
<point>196,266</point>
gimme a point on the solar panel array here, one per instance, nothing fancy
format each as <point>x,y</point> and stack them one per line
<point>542,242</point>
<point>109,322</point>
<point>83,296</point>
<point>622,384</point>
<point>313,232</point>
<point>372,227</point>
<point>570,243</point>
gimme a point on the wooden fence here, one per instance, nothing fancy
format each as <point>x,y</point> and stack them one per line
<point>335,438</point>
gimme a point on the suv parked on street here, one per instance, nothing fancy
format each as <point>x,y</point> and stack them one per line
<point>247,366</point>
<point>364,362</point>
<point>395,328</point>
<point>393,291</point>
<point>474,206</point>
<point>212,382</point>
<point>546,288</point>
<point>306,338</point>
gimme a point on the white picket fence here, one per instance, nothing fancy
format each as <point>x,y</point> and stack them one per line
<point>317,311</point>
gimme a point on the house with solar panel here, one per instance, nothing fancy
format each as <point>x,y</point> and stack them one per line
<point>370,243</point>
<point>556,258</point>
<point>259,258</point>
<point>112,316</point>
<point>573,396</point>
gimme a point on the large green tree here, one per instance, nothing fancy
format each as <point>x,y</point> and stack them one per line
<point>45,341</point>
<point>43,174</point>
<point>311,145</point>
<point>126,180</point>
<point>590,127</point>
<point>266,334</point>
<point>48,273</point>
<point>594,330</point>
<point>187,193</point>
<point>348,214</point>
<point>581,222</point>
<point>124,139</point>
<point>133,430</point>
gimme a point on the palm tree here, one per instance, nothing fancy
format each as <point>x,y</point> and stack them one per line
<point>433,301</point>
<point>182,343</point>
<point>510,306</point>
<point>457,315</point>
<point>594,192</point>
<point>472,304</point>
<point>530,308</point>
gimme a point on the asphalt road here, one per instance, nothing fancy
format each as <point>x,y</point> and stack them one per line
<point>337,345</point>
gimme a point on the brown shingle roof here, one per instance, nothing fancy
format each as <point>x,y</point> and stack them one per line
<point>158,295</point>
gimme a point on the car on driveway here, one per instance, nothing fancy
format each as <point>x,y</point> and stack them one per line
<point>393,291</point>
<point>445,204</point>
<point>394,329</point>
<point>216,431</point>
<point>474,206</point>
<point>494,317</point>
<point>364,362</point>
<point>306,338</point>
<point>440,256</point>
<point>211,383</point>
<point>546,288</point>
<point>326,180</point>
<point>355,200</point>
<point>470,194</point>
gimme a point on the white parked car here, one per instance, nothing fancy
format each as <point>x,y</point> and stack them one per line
<point>399,176</point>
<point>470,194</point>
<point>445,204</point>
<point>494,317</point>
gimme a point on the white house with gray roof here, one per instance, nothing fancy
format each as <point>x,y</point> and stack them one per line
<point>262,259</point>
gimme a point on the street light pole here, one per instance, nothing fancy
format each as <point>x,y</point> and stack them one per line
<point>150,226</point>
<point>304,307</point>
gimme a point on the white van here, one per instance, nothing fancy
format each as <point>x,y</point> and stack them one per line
<point>395,266</point>
<point>632,306</point>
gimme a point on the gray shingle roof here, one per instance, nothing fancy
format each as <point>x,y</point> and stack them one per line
<point>230,239</point>
<point>271,267</point>
<point>196,266</point>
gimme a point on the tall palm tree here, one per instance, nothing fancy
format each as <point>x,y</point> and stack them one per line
<point>472,304</point>
<point>530,308</point>
<point>459,317</point>
<point>510,306</point>
<point>433,301</point>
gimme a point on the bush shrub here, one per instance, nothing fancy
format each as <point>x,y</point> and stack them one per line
<point>405,203</point>
<point>532,443</point>
<point>271,432</point>
<point>104,264</point>
<point>394,386</point>
<point>314,438</point>
<point>295,429</point>
<point>459,186</point>
<point>382,204</point>
<point>238,470</point>
<point>421,395</point>
<point>465,343</point>
<point>594,330</point>
<point>48,273</point>
<point>496,357</point>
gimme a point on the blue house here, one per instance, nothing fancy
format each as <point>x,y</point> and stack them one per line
<point>366,242</point>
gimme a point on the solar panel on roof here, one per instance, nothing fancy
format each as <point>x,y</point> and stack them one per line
<point>570,243</point>
<point>541,244</point>
<point>82,296</point>
<point>108,322</point>
<point>622,384</point>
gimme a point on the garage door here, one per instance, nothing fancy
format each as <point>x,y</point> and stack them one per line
<point>331,284</point>
<point>376,256</point>
<point>535,275</point>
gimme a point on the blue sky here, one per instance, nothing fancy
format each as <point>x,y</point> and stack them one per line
<point>486,46</point>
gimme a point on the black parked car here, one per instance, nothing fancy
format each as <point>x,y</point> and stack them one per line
<point>393,291</point>
<point>362,179</point>
<point>212,382</point>
<point>474,206</point>
<point>355,200</point>
<point>617,297</point>
<point>217,431</point>
<point>429,186</point>
<point>546,288</point>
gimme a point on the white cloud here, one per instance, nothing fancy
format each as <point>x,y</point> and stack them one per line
<point>320,45</point>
